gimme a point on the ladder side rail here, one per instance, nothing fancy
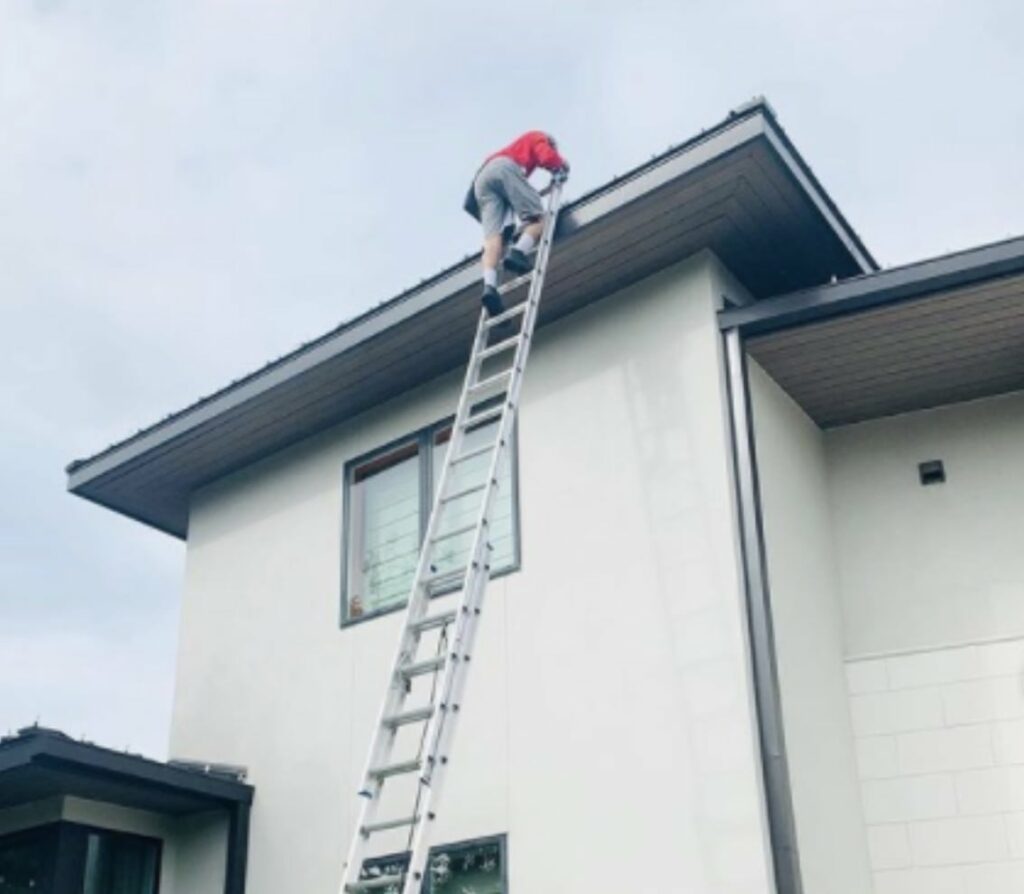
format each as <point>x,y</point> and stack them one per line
<point>475,579</point>
<point>441,728</point>
<point>419,597</point>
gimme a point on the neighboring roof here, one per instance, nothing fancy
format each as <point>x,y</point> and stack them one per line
<point>941,331</point>
<point>739,189</point>
<point>39,763</point>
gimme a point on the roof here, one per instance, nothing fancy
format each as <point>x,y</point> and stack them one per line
<point>39,763</point>
<point>936,332</point>
<point>739,189</point>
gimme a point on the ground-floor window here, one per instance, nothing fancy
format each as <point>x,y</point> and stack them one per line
<point>26,861</point>
<point>66,858</point>
<point>469,867</point>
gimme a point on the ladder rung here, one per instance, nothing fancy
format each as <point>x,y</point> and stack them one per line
<point>499,347</point>
<point>514,284</point>
<point>491,322</point>
<point>376,884</point>
<point>398,769</point>
<point>465,492</point>
<point>485,416</point>
<point>422,667</point>
<point>454,576</point>
<point>390,824</point>
<point>407,717</point>
<point>432,621</point>
<point>454,532</point>
<point>501,378</point>
<point>473,454</point>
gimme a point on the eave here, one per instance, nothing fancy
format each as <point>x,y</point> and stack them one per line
<point>739,189</point>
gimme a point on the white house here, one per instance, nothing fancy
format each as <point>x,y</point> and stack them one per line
<point>758,623</point>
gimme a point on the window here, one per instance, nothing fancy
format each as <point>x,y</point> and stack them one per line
<point>66,858</point>
<point>388,502</point>
<point>472,867</point>
<point>120,864</point>
<point>26,861</point>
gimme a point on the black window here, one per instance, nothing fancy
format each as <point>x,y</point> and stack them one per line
<point>470,867</point>
<point>66,858</point>
<point>388,496</point>
<point>27,860</point>
<point>120,864</point>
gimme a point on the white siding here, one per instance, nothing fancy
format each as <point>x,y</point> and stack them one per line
<point>609,712</point>
<point>809,643</point>
<point>930,566</point>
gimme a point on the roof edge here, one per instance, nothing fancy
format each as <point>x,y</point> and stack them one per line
<point>747,122</point>
<point>895,284</point>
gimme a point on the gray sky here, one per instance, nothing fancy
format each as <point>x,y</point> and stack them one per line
<point>191,187</point>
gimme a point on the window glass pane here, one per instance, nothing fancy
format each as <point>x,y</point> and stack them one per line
<point>454,552</point>
<point>384,519</point>
<point>473,868</point>
<point>120,864</point>
<point>24,862</point>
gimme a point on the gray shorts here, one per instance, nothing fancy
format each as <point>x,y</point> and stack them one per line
<point>501,191</point>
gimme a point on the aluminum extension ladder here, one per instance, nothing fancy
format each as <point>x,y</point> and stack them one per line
<point>485,397</point>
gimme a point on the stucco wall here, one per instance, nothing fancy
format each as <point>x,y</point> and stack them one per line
<point>608,726</point>
<point>809,642</point>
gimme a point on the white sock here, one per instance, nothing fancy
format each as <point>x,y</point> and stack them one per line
<point>491,277</point>
<point>526,243</point>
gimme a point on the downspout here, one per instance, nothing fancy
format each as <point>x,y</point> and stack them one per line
<point>775,766</point>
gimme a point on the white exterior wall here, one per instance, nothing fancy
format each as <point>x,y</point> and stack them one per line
<point>932,582</point>
<point>931,566</point>
<point>809,642</point>
<point>608,726</point>
<point>194,851</point>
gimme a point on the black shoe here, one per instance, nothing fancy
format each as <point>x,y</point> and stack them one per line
<point>492,301</point>
<point>518,262</point>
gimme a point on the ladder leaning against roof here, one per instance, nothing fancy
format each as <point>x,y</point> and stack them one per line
<point>461,514</point>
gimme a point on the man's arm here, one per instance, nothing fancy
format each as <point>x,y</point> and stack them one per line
<point>547,155</point>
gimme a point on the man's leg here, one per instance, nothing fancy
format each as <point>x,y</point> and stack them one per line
<point>526,203</point>
<point>493,245</point>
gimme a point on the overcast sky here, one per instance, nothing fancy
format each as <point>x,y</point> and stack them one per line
<point>191,187</point>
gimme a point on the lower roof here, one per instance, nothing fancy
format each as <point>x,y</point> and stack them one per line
<point>40,763</point>
<point>937,332</point>
<point>739,189</point>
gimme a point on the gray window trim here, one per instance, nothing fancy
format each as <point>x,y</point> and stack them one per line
<point>500,839</point>
<point>424,438</point>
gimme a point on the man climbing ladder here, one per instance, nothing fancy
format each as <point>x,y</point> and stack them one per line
<point>410,748</point>
<point>500,192</point>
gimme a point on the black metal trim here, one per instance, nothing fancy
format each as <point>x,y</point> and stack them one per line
<point>875,289</point>
<point>51,749</point>
<point>775,765</point>
<point>238,850</point>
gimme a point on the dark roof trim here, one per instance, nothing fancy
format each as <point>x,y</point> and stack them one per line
<point>875,289</point>
<point>742,126</point>
<point>52,749</point>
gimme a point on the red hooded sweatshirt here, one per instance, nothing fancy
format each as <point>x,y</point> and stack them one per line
<point>534,149</point>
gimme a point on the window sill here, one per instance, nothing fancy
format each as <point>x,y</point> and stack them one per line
<point>384,612</point>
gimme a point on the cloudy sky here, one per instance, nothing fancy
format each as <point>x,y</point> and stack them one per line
<point>191,187</point>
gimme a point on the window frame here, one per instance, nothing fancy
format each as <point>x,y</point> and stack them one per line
<point>501,840</point>
<point>424,438</point>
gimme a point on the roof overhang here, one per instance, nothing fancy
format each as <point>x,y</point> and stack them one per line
<point>937,332</point>
<point>739,189</point>
<point>39,764</point>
